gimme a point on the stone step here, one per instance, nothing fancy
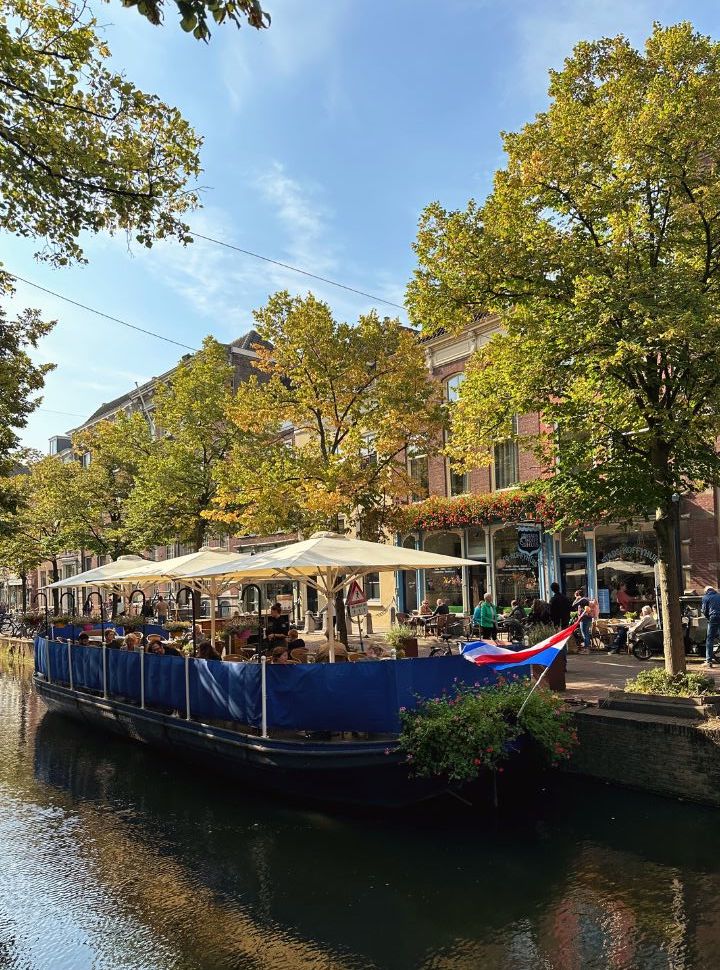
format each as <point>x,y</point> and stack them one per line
<point>689,708</point>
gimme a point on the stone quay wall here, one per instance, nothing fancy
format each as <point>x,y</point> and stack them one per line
<point>669,756</point>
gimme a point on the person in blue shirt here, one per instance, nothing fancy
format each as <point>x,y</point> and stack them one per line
<point>711,611</point>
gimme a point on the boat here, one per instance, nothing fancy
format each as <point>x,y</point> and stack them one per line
<point>319,733</point>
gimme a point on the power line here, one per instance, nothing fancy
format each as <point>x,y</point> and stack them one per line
<point>70,414</point>
<point>296,269</point>
<point>99,313</point>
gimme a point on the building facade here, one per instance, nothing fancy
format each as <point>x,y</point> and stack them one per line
<point>517,555</point>
<point>140,400</point>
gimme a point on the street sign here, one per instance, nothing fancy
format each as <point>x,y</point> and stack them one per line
<point>356,600</point>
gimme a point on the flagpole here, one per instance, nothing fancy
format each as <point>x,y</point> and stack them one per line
<point>537,683</point>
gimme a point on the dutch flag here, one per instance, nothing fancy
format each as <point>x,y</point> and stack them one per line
<point>482,652</point>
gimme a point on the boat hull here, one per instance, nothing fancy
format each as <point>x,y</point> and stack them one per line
<point>349,773</point>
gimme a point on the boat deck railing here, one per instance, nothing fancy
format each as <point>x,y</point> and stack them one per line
<point>363,697</point>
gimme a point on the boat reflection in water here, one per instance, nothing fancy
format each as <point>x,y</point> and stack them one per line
<point>161,867</point>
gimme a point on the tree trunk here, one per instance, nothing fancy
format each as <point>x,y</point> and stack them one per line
<point>669,581</point>
<point>341,629</point>
<point>23,590</point>
<point>55,592</point>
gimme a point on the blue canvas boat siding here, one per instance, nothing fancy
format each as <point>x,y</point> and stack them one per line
<point>313,697</point>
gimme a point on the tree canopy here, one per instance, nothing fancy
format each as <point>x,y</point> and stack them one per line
<point>117,452</point>
<point>20,378</point>
<point>195,14</point>
<point>326,423</point>
<point>176,484</point>
<point>599,249</point>
<point>81,148</point>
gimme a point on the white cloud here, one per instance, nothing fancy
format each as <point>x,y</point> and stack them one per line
<point>547,33</point>
<point>301,34</point>
<point>302,216</point>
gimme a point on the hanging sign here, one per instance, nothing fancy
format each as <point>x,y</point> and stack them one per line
<point>356,600</point>
<point>528,539</point>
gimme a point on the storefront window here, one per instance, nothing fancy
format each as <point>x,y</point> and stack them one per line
<point>572,542</point>
<point>625,570</point>
<point>445,583</point>
<point>516,572</point>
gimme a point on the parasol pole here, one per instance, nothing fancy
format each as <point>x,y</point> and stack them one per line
<point>329,592</point>
<point>213,595</point>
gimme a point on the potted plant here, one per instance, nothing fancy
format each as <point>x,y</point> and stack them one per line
<point>402,639</point>
<point>131,623</point>
<point>555,676</point>
<point>472,729</point>
<point>177,626</point>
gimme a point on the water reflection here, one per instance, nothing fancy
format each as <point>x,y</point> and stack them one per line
<point>123,858</point>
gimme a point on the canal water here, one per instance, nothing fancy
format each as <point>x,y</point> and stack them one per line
<point>112,857</point>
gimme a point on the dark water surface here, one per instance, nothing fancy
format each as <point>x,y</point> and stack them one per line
<point>112,857</point>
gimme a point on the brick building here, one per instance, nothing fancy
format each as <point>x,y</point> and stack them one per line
<point>140,399</point>
<point>520,558</point>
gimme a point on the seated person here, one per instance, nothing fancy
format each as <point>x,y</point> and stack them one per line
<point>516,611</point>
<point>156,647</point>
<point>371,653</point>
<point>442,609</point>
<point>626,635</point>
<point>540,612</point>
<point>110,639</point>
<point>280,656</point>
<point>425,608</point>
<point>172,651</point>
<point>206,651</point>
<point>131,642</point>
<point>83,640</point>
<point>294,640</point>
<point>278,626</point>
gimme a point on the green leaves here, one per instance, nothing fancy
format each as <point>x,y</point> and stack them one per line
<point>325,425</point>
<point>194,13</point>
<point>81,148</point>
<point>599,250</point>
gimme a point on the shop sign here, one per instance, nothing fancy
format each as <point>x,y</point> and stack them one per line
<point>528,539</point>
<point>517,562</point>
<point>640,554</point>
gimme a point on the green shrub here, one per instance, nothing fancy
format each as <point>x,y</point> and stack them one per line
<point>659,681</point>
<point>472,728</point>
<point>396,635</point>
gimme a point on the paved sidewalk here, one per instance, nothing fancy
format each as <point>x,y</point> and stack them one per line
<point>590,677</point>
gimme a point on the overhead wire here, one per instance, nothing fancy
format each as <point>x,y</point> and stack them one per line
<point>296,269</point>
<point>99,313</point>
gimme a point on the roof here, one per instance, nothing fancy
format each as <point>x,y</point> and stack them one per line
<point>244,343</point>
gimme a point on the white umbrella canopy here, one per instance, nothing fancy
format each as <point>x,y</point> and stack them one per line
<point>346,557</point>
<point>330,562</point>
<point>108,575</point>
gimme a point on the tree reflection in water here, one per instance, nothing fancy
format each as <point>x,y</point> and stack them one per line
<point>139,861</point>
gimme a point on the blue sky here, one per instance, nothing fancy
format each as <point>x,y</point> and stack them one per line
<point>324,138</point>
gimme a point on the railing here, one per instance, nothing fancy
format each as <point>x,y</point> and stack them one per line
<point>312,697</point>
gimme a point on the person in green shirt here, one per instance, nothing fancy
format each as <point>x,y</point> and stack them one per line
<point>488,618</point>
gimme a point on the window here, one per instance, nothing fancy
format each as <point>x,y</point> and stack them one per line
<point>418,474</point>
<point>458,481</point>
<point>507,472</point>
<point>87,563</point>
<point>452,387</point>
<point>371,582</point>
